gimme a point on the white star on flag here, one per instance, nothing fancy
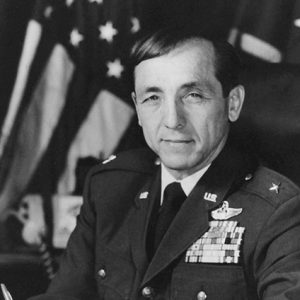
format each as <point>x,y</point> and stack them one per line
<point>69,2</point>
<point>297,22</point>
<point>76,37</point>
<point>135,25</point>
<point>107,32</point>
<point>97,1</point>
<point>115,68</point>
<point>48,11</point>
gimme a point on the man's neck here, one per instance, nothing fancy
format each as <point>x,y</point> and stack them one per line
<point>187,183</point>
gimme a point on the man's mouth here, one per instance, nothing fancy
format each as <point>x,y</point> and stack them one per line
<point>177,141</point>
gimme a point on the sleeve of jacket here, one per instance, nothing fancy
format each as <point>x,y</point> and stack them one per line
<point>277,255</point>
<point>74,278</point>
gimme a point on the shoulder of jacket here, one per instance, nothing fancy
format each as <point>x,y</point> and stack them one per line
<point>141,160</point>
<point>271,185</point>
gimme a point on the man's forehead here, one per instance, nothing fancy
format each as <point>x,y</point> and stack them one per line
<point>197,54</point>
<point>202,44</point>
<point>202,48</point>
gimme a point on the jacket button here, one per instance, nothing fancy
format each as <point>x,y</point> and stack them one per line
<point>201,295</point>
<point>147,292</point>
<point>102,273</point>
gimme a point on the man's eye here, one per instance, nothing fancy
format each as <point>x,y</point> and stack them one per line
<point>152,98</point>
<point>194,97</point>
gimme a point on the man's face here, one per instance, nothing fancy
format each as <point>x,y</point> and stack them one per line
<point>181,108</point>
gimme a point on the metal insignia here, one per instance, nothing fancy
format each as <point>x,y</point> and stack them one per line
<point>210,197</point>
<point>144,195</point>
<point>275,188</point>
<point>112,157</point>
<point>225,212</point>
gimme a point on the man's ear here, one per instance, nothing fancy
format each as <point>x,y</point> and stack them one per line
<point>133,96</point>
<point>235,102</point>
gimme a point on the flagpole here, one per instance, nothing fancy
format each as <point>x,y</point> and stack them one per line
<point>32,39</point>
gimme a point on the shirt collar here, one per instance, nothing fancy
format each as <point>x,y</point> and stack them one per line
<point>187,184</point>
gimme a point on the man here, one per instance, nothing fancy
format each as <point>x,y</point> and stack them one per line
<point>229,230</point>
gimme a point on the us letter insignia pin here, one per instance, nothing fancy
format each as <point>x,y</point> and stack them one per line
<point>144,195</point>
<point>221,244</point>
<point>210,197</point>
<point>225,212</point>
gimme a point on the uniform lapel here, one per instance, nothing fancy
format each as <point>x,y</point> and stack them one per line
<point>140,220</point>
<point>192,220</point>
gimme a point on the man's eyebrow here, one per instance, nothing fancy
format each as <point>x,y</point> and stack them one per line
<point>205,86</point>
<point>151,89</point>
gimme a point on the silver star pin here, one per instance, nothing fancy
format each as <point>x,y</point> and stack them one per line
<point>275,188</point>
<point>107,32</point>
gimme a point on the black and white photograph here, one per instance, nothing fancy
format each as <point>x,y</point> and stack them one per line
<point>150,149</point>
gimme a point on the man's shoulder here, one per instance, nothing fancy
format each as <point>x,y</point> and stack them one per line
<point>271,186</point>
<point>141,160</point>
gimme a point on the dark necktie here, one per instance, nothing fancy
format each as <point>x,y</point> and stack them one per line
<point>173,198</point>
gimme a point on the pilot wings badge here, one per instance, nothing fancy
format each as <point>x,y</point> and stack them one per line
<point>225,212</point>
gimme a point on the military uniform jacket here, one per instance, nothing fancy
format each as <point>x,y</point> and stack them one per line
<point>106,256</point>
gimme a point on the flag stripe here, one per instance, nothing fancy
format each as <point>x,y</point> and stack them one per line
<point>79,100</point>
<point>98,136</point>
<point>38,123</point>
<point>260,48</point>
<point>233,36</point>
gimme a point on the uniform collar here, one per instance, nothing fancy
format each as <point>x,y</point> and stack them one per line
<point>187,184</point>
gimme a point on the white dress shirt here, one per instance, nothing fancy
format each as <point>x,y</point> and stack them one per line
<point>187,183</point>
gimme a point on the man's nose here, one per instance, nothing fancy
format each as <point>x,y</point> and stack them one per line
<point>174,117</point>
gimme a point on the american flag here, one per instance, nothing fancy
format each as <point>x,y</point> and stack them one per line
<point>71,94</point>
<point>71,98</point>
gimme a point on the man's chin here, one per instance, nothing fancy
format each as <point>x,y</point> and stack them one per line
<point>176,162</point>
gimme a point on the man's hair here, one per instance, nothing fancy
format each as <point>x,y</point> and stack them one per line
<point>227,63</point>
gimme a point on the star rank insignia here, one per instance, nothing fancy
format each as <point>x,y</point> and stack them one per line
<point>274,188</point>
